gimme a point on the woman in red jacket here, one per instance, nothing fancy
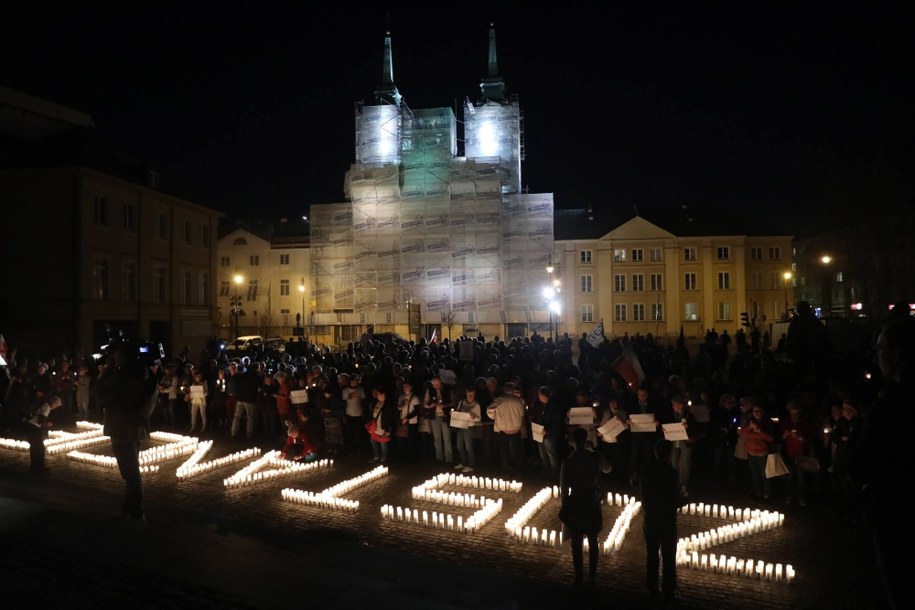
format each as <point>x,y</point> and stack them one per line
<point>759,434</point>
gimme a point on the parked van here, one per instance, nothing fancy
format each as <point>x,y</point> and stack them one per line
<point>245,344</point>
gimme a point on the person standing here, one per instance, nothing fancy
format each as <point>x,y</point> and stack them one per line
<point>659,489</point>
<point>759,434</point>
<point>882,462</point>
<point>465,435</point>
<point>438,409</point>
<point>37,431</point>
<point>353,395</point>
<point>507,413</point>
<point>247,386</point>
<point>581,492</point>
<point>129,392</point>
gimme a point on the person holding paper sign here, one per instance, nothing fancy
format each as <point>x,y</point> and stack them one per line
<point>681,452</point>
<point>642,442</point>
<point>471,407</point>
<point>547,412</point>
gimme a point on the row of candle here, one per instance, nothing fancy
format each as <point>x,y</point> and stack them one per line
<point>619,499</point>
<point>543,537</point>
<point>518,521</point>
<point>106,461</point>
<point>734,566</point>
<point>450,498</point>
<point>461,480</point>
<point>193,466</point>
<point>443,520</point>
<point>161,453</point>
<point>727,533</point>
<point>620,528</point>
<point>721,511</point>
<point>330,497</point>
<point>251,473</point>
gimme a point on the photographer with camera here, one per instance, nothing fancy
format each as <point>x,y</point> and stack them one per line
<point>128,386</point>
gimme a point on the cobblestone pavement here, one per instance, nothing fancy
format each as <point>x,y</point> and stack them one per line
<point>206,546</point>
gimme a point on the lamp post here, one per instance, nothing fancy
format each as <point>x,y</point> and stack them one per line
<point>826,309</point>
<point>550,293</point>
<point>302,290</point>
<point>236,301</point>
<point>787,275</point>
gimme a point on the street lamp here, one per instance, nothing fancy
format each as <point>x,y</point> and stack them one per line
<point>236,301</point>
<point>302,290</point>
<point>787,275</point>
<point>826,286</point>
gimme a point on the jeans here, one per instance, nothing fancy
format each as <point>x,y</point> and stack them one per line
<point>441,438</point>
<point>549,459</point>
<point>757,464</point>
<point>465,446</point>
<point>380,450</point>
<point>510,450</point>
<point>247,410</point>
<point>681,458</point>
<point>127,454</point>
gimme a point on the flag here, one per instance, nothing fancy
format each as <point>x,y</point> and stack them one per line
<point>597,335</point>
<point>3,346</point>
<point>434,333</point>
<point>629,368</point>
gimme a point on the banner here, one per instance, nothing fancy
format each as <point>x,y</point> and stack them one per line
<point>597,335</point>
<point>629,368</point>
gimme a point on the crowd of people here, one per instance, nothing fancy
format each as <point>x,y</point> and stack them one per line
<point>506,407</point>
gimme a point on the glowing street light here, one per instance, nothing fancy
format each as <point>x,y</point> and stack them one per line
<point>235,301</point>
<point>787,275</point>
<point>302,290</point>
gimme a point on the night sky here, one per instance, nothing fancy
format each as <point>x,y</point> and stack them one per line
<point>790,112</point>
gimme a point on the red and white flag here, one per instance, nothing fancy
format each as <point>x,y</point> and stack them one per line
<point>434,334</point>
<point>3,347</point>
<point>629,367</point>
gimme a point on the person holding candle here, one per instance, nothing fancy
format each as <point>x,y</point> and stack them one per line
<point>36,431</point>
<point>661,497</point>
<point>380,424</point>
<point>582,495</point>
<point>796,437</point>
<point>408,407</point>
<point>759,434</point>
<point>465,436</point>
<point>438,409</point>
<point>218,402</point>
<point>681,454</point>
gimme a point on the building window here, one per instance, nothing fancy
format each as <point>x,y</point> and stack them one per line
<point>586,283</point>
<point>756,254</point>
<point>584,257</point>
<point>619,283</point>
<point>160,226</point>
<point>129,282</point>
<point>203,291</point>
<point>160,285</point>
<point>130,218</point>
<point>240,241</point>
<point>724,253</point>
<point>638,312</point>
<point>756,280</point>
<point>205,236</point>
<point>638,255</point>
<point>252,290</point>
<point>691,312</point>
<point>224,261</point>
<point>657,282</point>
<point>255,260</point>
<point>724,280</point>
<point>284,288</point>
<point>689,281</point>
<point>587,312</point>
<point>619,256</point>
<point>284,259</point>
<point>101,279</point>
<point>187,288</point>
<point>839,277</point>
<point>775,253</point>
<point>225,287</point>
<point>655,255</point>
<point>619,312</point>
<point>638,282</point>
<point>724,311</point>
<point>100,211</point>
<point>657,312</point>
<point>689,254</point>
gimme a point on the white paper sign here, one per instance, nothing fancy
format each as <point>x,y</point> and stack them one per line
<point>298,397</point>
<point>581,416</point>
<point>610,430</point>
<point>536,432</point>
<point>643,422</point>
<point>197,391</point>
<point>459,419</point>
<point>674,432</point>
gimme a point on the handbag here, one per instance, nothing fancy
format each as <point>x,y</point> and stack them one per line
<point>370,426</point>
<point>807,463</point>
<point>775,466</point>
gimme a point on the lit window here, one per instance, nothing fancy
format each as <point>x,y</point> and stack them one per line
<point>619,256</point>
<point>691,312</point>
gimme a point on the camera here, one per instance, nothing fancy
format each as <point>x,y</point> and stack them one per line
<point>135,351</point>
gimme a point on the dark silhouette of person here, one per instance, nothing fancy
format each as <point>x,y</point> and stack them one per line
<point>129,390</point>
<point>882,465</point>
<point>581,492</point>
<point>659,489</point>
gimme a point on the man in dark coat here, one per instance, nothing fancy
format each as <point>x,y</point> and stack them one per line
<point>659,487</point>
<point>129,390</point>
